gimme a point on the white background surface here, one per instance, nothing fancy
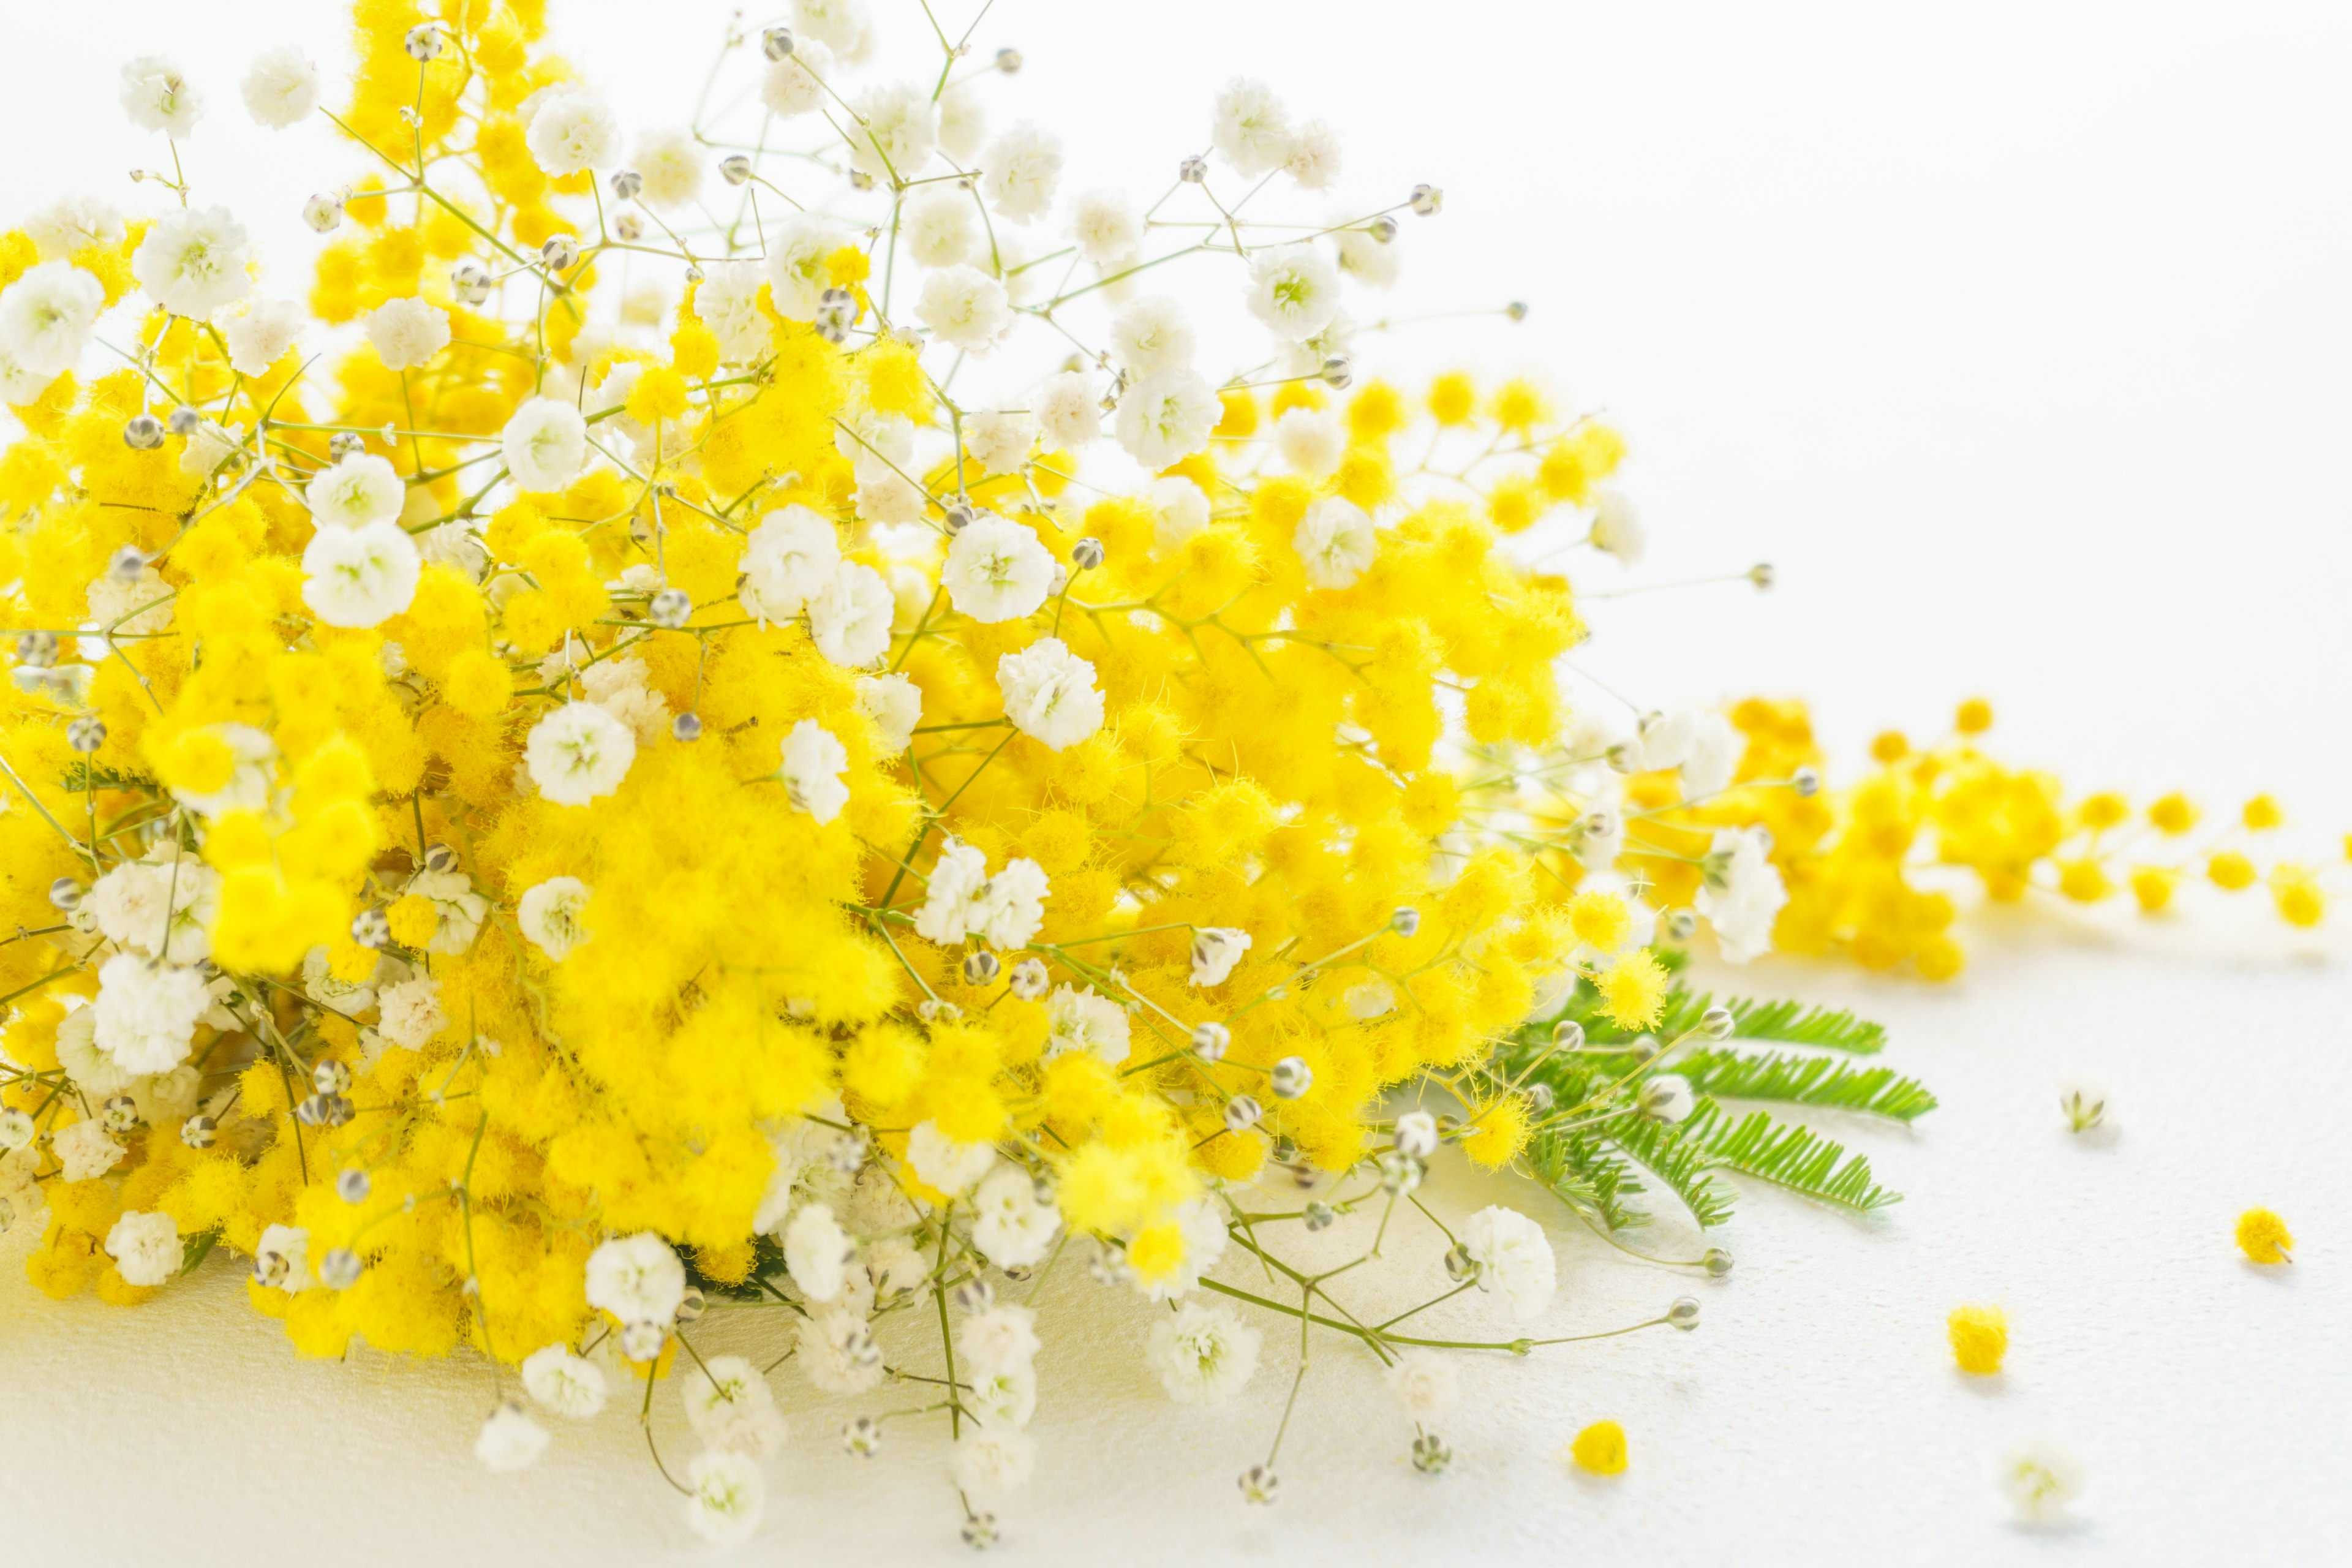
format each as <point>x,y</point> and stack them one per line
<point>2015,336</point>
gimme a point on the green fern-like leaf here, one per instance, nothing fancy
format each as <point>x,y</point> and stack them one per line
<point>1805,1080</point>
<point>1787,1156</point>
<point>1794,1024</point>
<point>1679,1160</point>
<point>1587,1177</point>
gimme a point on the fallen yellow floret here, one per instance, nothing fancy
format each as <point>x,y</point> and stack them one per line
<point>2264,1237</point>
<point>1599,1449</point>
<point>1979,1339</point>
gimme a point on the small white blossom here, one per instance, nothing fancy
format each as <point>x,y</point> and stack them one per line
<point>160,908</point>
<point>1010,1227</point>
<point>963,121</point>
<point>1740,893</point>
<point>669,165</point>
<point>1249,127</point>
<point>996,570</point>
<point>795,85</point>
<point>1151,336</point>
<point>1336,542</point>
<point>46,316</point>
<point>814,762</point>
<point>1167,417</point>
<point>573,130</point>
<point>193,262</point>
<point>1617,527</point>
<point>817,1251</point>
<point>991,1462</point>
<point>93,1070</point>
<point>728,301</point>
<point>999,442</point>
<point>578,753</point>
<point>545,443</point>
<point>1011,907</point>
<point>1716,749</point>
<point>1002,1339</point>
<point>637,1278</point>
<point>549,913</point>
<point>282,88</point>
<point>1069,410</point>
<point>409,1015</point>
<point>158,98</point>
<point>895,703</point>
<point>945,1165</point>
<point>1368,261</point>
<point>282,1256</point>
<point>843,26</point>
<point>1313,158</point>
<point>408,333</point>
<point>145,1247</point>
<point>355,491</point>
<point>957,881</point>
<point>322,985</point>
<point>458,909</point>
<point>2040,1480</point>
<point>731,1406</point>
<point>1005,1399</point>
<point>796,253</point>
<point>1310,440</point>
<point>1050,693</point>
<point>85,1150</point>
<point>1425,1383</point>
<point>1201,1223</point>
<point>1202,1354</point>
<point>849,617</point>
<point>510,1440</point>
<point>146,1014</point>
<point>1180,510</point>
<point>619,685</point>
<point>1295,290</point>
<point>1513,1255</point>
<point>725,1497</point>
<point>787,561</point>
<point>1215,951</point>
<point>1020,170</point>
<point>360,576</point>
<point>939,225</point>
<point>1107,228</point>
<point>71,223</point>
<point>570,1385</point>
<point>893,131</point>
<point>838,1353</point>
<point>965,308</point>
<point>1087,1020</point>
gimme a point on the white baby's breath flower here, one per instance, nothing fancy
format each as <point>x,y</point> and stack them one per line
<point>999,442</point>
<point>725,1497</point>
<point>46,316</point>
<point>260,337</point>
<point>1336,542</point>
<point>729,1405</point>
<point>157,97</point>
<point>939,225</point>
<point>991,1462</point>
<point>1369,262</point>
<point>1151,336</point>
<point>1011,906</point>
<point>895,703</point>
<point>817,1252</point>
<point>549,913</point>
<point>1020,170</point>
<point>1005,1398</point>
<point>946,1165</point>
<point>637,1278</point>
<point>571,1386</point>
<point>1002,1339</point>
<point>1310,440</point>
<point>814,762</point>
<point>1249,127</point>
<point>796,253</point>
<point>408,333</point>
<point>786,561</point>
<point>145,1247</point>
<point>573,130</point>
<point>843,26</point>
<point>162,905</point>
<point>1180,510</point>
<point>93,1070</point>
<point>281,1259</point>
<point>1167,417</point>
<point>1086,1020</point>
<point>958,880</point>
<point>728,300</point>
<point>545,443</point>
<point>849,617</point>
<point>1512,1256</point>
<point>1716,749</point>
<point>838,1353</point>
<point>360,576</point>
<point>795,85</point>
<point>355,491</point>
<point>1050,693</point>
<point>1295,290</point>
<point>963,121</point>
<point>1202,1354</point>
<point>409,1015</point>
<point>670,163</point>
<point>1740,893</point>
<point>1215,951</point>
<point>193,261</point>
<point>1010,1227</point>
<point>71,223</point>
<point>2040,1480</point>
<point>146,1014</point>
<point>1617,527</point>
<point>1069,410</point>
<point>1107,228</point>
<point>965,308</point>
<point>892,131</point>
<point>619,687</point>
<point>510,1440</point>
<point>1313,158</point>
<point>996,570</point>
<point>85,1152</point>
<point>330,990</point>
<point>1425,1383</point>
<point>578,753</point>
<point>282,88</point>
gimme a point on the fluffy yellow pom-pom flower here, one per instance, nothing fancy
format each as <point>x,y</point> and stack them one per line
<point>1599,1449</point>
<point>1979,1339</point>
<point>2264,1237</point>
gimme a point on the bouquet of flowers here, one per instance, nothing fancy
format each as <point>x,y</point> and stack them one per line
<point>784,715</point>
